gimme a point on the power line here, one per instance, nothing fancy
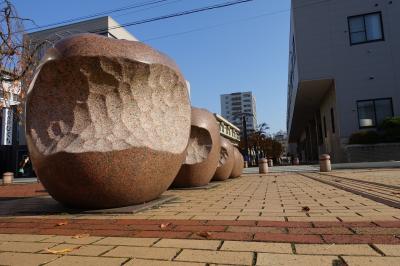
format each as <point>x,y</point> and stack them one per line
<point>178,14</point>
<point>232,22</point>
<point>99,14</point>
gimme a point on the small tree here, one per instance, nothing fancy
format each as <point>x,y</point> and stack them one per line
<point>17,55</point>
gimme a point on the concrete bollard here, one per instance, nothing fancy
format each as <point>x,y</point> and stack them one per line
<point>263,166</point>
<point>8,178</point>
<point>296,161</point>
<point>325,163</point>
<point>245,164</point>
<point>270,162</point>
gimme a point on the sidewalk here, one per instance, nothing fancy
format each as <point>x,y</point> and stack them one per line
<point>274,219</point>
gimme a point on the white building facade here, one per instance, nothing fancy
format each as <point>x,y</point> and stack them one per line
<point>236,105</point>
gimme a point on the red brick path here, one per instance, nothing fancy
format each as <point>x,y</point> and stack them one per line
<point>379,232</point>
<point>22,191</point>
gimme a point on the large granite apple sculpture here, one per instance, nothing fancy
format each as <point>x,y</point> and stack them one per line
<point>107,122</point>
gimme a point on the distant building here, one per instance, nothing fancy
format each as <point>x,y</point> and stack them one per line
<point>234,105</point>
<point>105,26</point>
<point>344,72</point>
<point>228,130</point>
<point>281,137</point>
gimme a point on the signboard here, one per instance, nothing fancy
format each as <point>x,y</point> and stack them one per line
<point>6,126</point>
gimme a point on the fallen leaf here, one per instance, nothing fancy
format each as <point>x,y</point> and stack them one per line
<point>61,223</point>
<point>60,251</point>
<point>204,234</point>
<point>305,209</point>
<point>164,225</point>
<point>80,236</point>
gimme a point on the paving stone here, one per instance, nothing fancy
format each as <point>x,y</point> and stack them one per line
<point>375,261</point>
<point>255,229</point>
<point>227,257</point>
<point>87,261</point>
<point>25,259</point>
<point>361,239</point>
<point>320,231</point>
<point>143,252</point>
<point>291,238</point>
<point>335,249</point>
<point>188,244</point>
<point>377,230</point>
<point>83,240</point>
<point>24,246</point>
<point>142,262</point>
<point>22,237</point>
<point>390,250</point>
<point>257,247</point>
<point>287,259</point>
<point>127,241</point>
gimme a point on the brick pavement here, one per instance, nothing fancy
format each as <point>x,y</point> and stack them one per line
<point>273,219</point>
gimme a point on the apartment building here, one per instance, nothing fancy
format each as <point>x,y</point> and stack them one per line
<point>236,105</point>
<point>344,72</point>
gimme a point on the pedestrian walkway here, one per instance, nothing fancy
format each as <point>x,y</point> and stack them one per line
<point>298,218</point>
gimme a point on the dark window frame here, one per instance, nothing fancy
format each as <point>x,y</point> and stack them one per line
<point>375,117</point>
<point>365,28</point>
<point>325,130</point>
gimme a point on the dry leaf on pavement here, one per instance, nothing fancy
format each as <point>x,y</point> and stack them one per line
<point>204,234</point>
<point>164,225</point>
<point>80,236</point>
<point>60,251</point>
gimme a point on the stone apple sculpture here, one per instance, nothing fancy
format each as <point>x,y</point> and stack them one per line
<point>107,122</point>
<point>202,154</point>
<point>239,164</point>
<point>226,161</point>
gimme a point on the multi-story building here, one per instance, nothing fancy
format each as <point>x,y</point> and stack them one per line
<point>281,137</point>
<point>236,105</point>
<point>344,72</point>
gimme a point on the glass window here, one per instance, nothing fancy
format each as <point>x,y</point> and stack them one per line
<point>383,109</point>
<point>366,114</point>
<point>372,112</point>
<point>365,28</point>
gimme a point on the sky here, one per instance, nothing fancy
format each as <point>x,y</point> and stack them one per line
<point>233,49</point>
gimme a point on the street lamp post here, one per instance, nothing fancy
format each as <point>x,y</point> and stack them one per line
<point>245,137</point>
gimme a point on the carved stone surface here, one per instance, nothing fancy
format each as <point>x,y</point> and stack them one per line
<point>108,122</point>
<point>202,151</point>
<point>226,161</point>
<point>239,164</point>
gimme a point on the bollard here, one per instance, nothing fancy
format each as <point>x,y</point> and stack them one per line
<point>270,163</point>
<point>296,161</point>
<point>246,164</point>
<point>8,178</point>
<point>263,166</point>
<point>325,163</point>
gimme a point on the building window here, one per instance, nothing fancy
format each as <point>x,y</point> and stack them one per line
<point>365,28</point>
<point>372,112</point>
<point>333,121</point>
<point>325,133</point>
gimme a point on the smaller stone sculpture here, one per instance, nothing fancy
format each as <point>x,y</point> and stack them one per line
<point>226,161</point>
<point>202,151</point>
<point>239,163</point>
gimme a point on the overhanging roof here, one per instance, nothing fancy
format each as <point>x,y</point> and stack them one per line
<point>308,100</point>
